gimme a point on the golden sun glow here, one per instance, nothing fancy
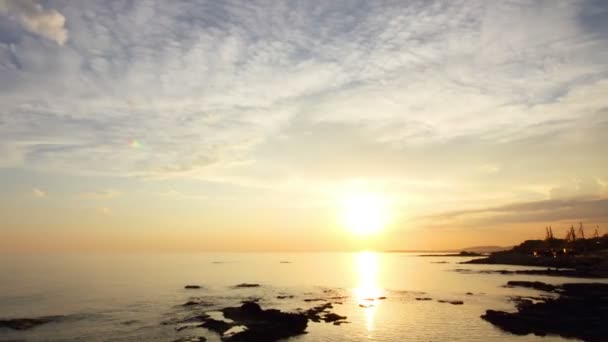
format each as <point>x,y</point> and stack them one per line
<point>364,213</point>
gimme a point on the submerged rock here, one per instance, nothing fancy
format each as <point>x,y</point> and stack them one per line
<point>264,325</point>
<point>192,287</point>
<point>314,300</point>
<point>191,339</point>
<point>285,297</point>
<point>191,303</point>
<point>424,298</point>
<point>26,323</point>
<point>453,302</point>
<point>581,311</point>
<point>246,285</point>
<point>537,285</point>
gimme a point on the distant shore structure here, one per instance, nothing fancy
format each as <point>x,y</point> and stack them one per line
<point>573,243</point>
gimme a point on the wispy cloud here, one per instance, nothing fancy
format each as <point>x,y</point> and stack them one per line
<point>48,23</point>
<point>203,86</point>
<point>38,193</point>
<point>101,194</point>
<point>545,212</point>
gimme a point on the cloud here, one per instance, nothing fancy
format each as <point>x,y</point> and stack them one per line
<point>101,194</point>
<point>38,193</point>
<point>204,86</point>
<point>547,211</point>
<point>35,18</point>
<point>579,187</point>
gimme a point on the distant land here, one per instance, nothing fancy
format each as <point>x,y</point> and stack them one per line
<point>476,249</point>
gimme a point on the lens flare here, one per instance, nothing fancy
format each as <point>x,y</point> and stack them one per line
<point>134,143</point>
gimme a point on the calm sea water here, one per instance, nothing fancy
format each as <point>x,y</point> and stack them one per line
<point>128,297</point>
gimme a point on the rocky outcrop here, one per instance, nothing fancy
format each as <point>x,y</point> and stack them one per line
<point>580,311</point>
<point>252,323</point>
<point>26,323</point>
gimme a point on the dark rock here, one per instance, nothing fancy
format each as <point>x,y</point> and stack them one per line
<point>192,287</point>
<point>191,339</point>
<point>340,322</point>
<point>197,303</point>
<point>580,311</point>
<point>218,326</point>
<point>338,297</point>
<point>285,296</point>
<point>26,323</point>
<point>314,300</point>
<point>469,293</point>
<point>453,302</point>
<point>314,314</point>
<point>423,298</point>
<point>552,272</point>
<point>264,325</point>
<point>246,285</point>
<point>381,298</point>
<point>260,325</point>
<point>331,317</point>
<point>532,284</point>
<point>251,299</point>
<point>461,254</point>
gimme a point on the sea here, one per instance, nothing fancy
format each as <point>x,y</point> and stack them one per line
<point>140,297</point>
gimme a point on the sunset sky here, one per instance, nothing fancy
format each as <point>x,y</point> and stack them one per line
<point>246,126</point>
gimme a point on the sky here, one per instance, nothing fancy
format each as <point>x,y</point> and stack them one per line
<point>168,126</point>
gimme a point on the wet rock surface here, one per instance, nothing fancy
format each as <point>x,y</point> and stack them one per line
<point>27,323</point>
<point>191,339</point>
<point>197,303</point>
<point>580,311</point>
<point>552,272</point>
<point>537,285</point>
<point>453,302</point>
<point>257,324</point>
<point>285,296</point>
<point>246,285</point>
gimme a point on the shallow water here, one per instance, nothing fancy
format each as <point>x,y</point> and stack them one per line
<point>129,297</point>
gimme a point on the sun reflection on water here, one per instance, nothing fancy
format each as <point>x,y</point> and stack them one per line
<point>368,293</point>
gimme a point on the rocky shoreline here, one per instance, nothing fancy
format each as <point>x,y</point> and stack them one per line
<point>580,311</point>
<point>552,272</point>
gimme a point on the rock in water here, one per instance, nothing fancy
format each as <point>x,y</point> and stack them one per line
<point>261,325</point>
<point>537,285</point>
<point>581,311</point>
<point>246,285</point>
<point>26,323</point>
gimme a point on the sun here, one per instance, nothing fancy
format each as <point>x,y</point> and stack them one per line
<point>364,213</point>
